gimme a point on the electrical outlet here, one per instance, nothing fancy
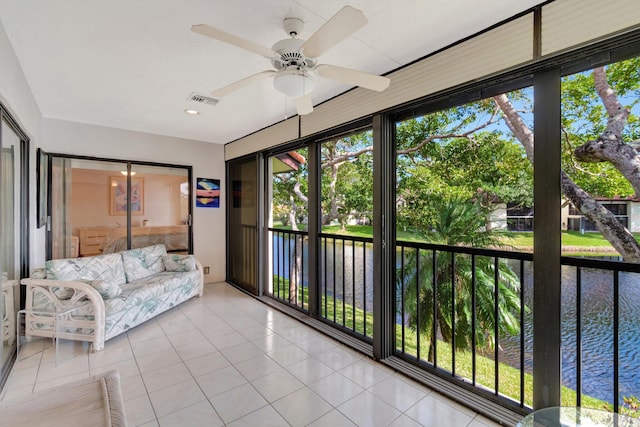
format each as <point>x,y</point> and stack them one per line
<point>206,270</point>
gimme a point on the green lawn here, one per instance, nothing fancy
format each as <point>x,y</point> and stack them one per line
<point>592,242</point>
<point>569,238</point>
<point>509,377</point>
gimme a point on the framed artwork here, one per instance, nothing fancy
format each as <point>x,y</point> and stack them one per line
<point>42,174</point>
<point>118,200</point>
<point>207,193</point>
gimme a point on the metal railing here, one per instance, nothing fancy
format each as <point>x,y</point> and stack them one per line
<point>473,294</point>
<point>346,283</point>
<point>466,289</point>
<point>601,320</point>
<point>289,250</point>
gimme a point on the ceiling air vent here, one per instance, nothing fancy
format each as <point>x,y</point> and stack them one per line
<point>202,99</point>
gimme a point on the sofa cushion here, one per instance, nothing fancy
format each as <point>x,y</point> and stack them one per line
<point>179,262</point>
<point>147,297</point>
<point>106,289</point>
<point>106,267</point>
<point>143,262</point>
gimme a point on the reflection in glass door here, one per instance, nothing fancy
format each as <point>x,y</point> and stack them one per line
<point>10,238</point>
<point>101,207</point>
<point>242,216</point>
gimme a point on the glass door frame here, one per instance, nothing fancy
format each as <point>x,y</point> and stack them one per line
<point>258,262</point>
<point>24,226</point>
<point>130,164</point>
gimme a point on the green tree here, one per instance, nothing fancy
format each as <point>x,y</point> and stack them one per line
<point>459,222</point>
<point>601,134</point>
<point>347,178</point>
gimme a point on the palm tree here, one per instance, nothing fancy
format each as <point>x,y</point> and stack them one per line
<point>459,223</point>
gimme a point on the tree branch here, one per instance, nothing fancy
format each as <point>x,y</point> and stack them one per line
<point>609,147</point>
<point>619,237</point>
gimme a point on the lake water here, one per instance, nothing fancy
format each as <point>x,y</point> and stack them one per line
<point>597,319</point>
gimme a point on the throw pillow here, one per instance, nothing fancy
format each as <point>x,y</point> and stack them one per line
<point>179,263</point>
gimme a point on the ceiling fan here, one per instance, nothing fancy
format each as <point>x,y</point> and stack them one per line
<point>295,59</point>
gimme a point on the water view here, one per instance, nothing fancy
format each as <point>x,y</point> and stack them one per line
<point>596,307</point>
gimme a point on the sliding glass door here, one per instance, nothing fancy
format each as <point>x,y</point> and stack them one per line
<point>102,206</point>
<point>242,227</point>
<point>12,251</point>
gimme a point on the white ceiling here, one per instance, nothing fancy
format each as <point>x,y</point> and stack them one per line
<point>132,64</point>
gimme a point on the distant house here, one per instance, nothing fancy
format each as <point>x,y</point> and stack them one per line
<point>515,217</point>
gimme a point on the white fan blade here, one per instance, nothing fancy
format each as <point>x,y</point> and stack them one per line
<point>247,81</point>
<point>214,33</point>
<point>344,23</point>
<point>353,77</point>
<point>304,105</point>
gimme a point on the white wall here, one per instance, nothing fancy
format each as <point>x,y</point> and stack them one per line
<point>207,160</point>
<point>74,138</point>
<point>17,98</point>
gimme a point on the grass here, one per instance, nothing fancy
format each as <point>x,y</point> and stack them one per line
<point>573,241</point>
<point>569,238</point>
<point>509,377</point>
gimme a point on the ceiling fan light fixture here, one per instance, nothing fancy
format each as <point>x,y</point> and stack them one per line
<point>294,83</point>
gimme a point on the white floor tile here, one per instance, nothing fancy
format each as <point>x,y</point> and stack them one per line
<point>139,411</point>
<point>241,352</point>
<point>126,368</point>
<point>110,356</point>
<point>208,363</point>
<point>166,377</point>
<point>404,421</point>
<point>480,421</point>
<point>270,342</point>
<point>132,387</point>
<point>336,389</point>
<point>195,349</point>
<point>302,407</point>
<point>153,345</point>
<point>237,402</point>
<point>334,418</point>
<point>199,415</point>
<point>277,384</point>
<point>365,373</point>
<point>149,329</point>
<point>266,416</point>
<point>220,381</point>
<point>433,412</point>
<point>154,361</point>
<point>337,358</point>
<point>310,370</point>
<point>257,367</point>
<point>190,367</point>
<point>397,393</point>
<point>186,338</point>
<point>226,340</point>
<point>176,397</point>
<point>366,409</point>
<point>288,355</point>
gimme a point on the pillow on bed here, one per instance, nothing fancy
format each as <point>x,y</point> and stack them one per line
<point>179,263</point>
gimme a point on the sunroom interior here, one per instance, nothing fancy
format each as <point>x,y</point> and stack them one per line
<point>327,238</point>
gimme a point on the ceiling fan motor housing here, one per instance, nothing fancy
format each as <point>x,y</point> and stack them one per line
<point>290,51</point>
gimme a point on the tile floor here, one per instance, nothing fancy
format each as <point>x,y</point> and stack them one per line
<point>226,359</point>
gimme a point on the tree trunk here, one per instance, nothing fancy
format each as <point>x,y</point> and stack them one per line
<point>609,147</point>
<point>333,210</point>
<point>295,258</point>
<point>619,237</point>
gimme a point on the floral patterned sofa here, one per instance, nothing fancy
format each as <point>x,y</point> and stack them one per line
<point>110,293</point>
